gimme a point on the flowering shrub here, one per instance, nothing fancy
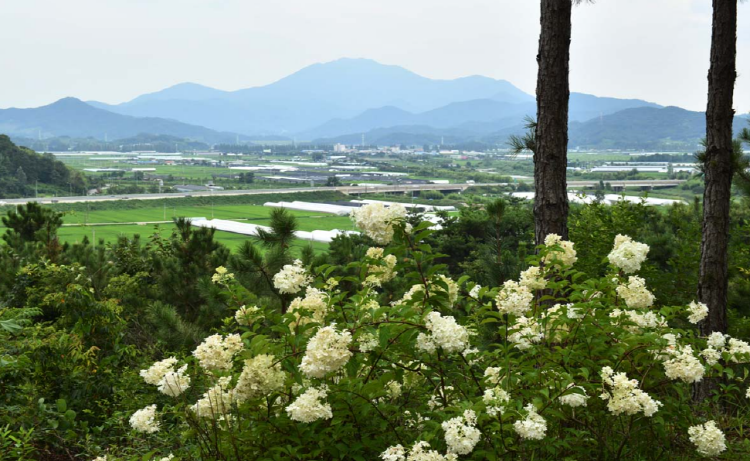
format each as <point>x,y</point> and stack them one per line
<point>553,366</point>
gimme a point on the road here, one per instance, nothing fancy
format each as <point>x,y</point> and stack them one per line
<point>344,189</point>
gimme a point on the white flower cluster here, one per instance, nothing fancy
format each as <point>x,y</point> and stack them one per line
<point>216,352</point>
<point>292,278</point>
<point>697,312</point>
<point>383,271</point>
<point>514,299</point>
<point>144,420</point>
<point>708,439</point>
<point>461,434</point>
<point>683,365</point>
<point>574,399</point>
<point>419,452</point>
<point>156,372</point>
<point>174,383</point>
<point>222,277</point>
<point>368,342</point>
<point>163,375</point>
<point>167,458</point>
<point>315,303</point>
<point>533,279</point>
<point>259,378</point>
<point>526,332</point>
<point>216,402</point>
<point>246,315</point>
<point>445,332</point>
<point>376,221</point>
<point>627,254</point>
<point>635,294</point>
<point>101,458</point>
<point>533,427</point>
<point>309,408</point>
<point>560,251</point>
<point>624,396</point>
<point>646,319</point>
<point>495,399</point>
<point>738,350</point>
<point>327,351</point>
<point>393,389</point>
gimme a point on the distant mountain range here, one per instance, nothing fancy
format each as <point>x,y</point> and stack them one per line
<point>74,118</point>
<point>341,100</point>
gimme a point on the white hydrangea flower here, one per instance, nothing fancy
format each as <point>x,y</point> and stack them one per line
<point>624,396</point>
<point>393,389</point>
<point>327,351</point>
<point>533,427</point>
<point>144,420</point>
<point>711,356</point>
<point>368,342</point>
<point>376,220</point>
<point>739,350</point>
<point>292,278</point>
<point>383,271</point>
<point>309,406</point>
<point>222,276</point>
<point>394,453</point>
<point>495,399</point>
<point>420,452</point>
<point>315,303</point>
<point>514,299</point>
<point>648,319</point>
<point>101,458</point>
<point>574,399</point>
<point>627,254</point>
<point>167,458</point>
<point>174,383</point>
<point>533,279</point>
<point>156,372</point>
<point>697,312</point>
<point>259,377</point>
<point>526,332</point>
<point>246,315</point>
<point>216,352</point>
<point>566,255</point>
<point>717,340</point>
<point>708,439</point>
<point>635,294</point>
<point>461,435</point>
<point>444,332</point>
<point>492,375</point>
<point>683,365</point>
<point>216,402</point>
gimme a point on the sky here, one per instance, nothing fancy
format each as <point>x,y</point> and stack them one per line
<point>115,50</point>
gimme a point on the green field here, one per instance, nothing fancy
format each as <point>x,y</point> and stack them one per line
<point>108,225</point>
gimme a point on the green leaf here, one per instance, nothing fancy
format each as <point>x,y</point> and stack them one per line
<point>62,405</point>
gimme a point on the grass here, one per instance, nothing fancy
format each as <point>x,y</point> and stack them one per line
<point>109,224</point>
<point>110,234</point>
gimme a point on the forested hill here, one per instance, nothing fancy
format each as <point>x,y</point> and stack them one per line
<point>22,169</point>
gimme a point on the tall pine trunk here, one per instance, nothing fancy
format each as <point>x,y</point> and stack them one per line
<point>552,95</point>
<point>712,282</point>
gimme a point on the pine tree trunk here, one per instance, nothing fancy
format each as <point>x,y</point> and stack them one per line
<point>552,95</point>
<point>712,282</point>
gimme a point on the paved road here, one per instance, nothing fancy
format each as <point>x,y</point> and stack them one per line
<point>343,189</point>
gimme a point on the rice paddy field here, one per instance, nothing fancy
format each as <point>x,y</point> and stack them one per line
<point>109,225</point>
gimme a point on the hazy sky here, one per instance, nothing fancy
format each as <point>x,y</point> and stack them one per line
<point>114,50</point>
